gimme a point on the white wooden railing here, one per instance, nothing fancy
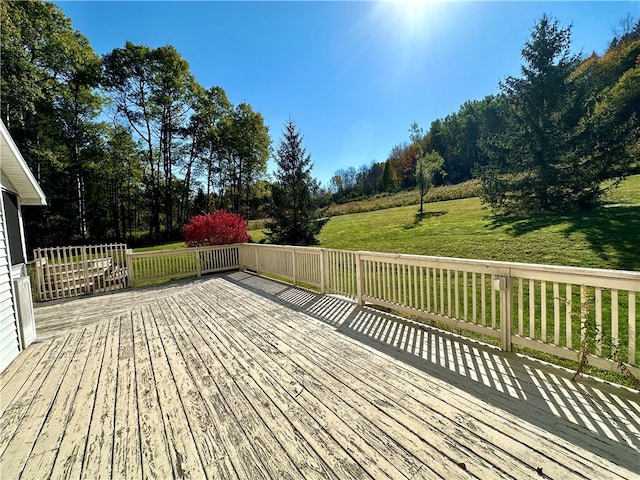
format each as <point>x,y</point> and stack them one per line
<point>541,307</point>
<point>546,308</point>
<point>146,267</point>
<point>62,272</point>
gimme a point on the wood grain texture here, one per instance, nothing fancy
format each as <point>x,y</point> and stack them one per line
<point>235,376</point>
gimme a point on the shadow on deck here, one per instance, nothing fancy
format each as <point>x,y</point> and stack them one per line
<point>599,417</point>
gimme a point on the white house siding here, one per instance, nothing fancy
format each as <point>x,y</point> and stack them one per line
<point>9,340</point>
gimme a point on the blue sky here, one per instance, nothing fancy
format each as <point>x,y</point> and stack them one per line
<point>352,75</point>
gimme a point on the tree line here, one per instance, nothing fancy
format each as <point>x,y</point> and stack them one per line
<point>123,143</point>
<point>555,138</point>
<point>130,142</point>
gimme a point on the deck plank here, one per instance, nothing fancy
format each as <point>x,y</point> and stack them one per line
<point>45,448</point>
<point>265,454</point>
<point>314,452</point>
<point>215,459</point>
<point>71,448</point>
<point>206,372</point>
<point>374,450</point>
<point>184,457</point>
<point>27,422</point>
<point>127,455</point>
<point>373,425</point>
<point>98,448</point>
<point>17,373</point>
<point>154,444</point>
<point>415,434</point>
<point>236,376</point>
<point>22,385</point>
<point>394,373</point>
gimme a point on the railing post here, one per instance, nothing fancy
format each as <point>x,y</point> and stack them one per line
<point>294,266</point>
<point>359,279</point>
<point>257,260</point>
<point>503,284</point>
<point>241,253</point>
<point>37,264</point>
<point>196,252</point>
<point>323,272</point>
<point>129,260</point>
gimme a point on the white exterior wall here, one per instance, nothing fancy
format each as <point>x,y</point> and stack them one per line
<point>9,336</point>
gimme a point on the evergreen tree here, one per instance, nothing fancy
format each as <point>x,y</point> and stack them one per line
<point>389,178</point>
<point>294,219</point>
<point>529,166</point>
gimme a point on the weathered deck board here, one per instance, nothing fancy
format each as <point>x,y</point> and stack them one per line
<point>31,412</point>
<point>127,445</point>
<point>300,432</point>
<point>70,451</point>
<point>154,445</point>
<point>97,458</point>
<point>215,461</point>
<point>20,376</point>
<point>46,447</point>
<point>470,425</point>
<point>304,458</point>
<point>326,395</point>
<point>239,377</point>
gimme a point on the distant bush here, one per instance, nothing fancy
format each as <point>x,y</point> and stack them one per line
<point>217,228</point>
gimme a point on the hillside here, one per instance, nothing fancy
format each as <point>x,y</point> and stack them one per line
<point>606,237</point>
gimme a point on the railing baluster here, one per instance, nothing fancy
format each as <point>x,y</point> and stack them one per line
<point>449,292</point>
<point>520,308</point>
<point>441,275</point>
<point>569,316</point>
<point>422,287</point>
<point>483,293</point>
<point>632,334</point>
<point>614,320</point>
<point>532,308</point>
<point>456,294</point>
<point>598,310</point>
<point>543,311</point>
<point>556,313</point>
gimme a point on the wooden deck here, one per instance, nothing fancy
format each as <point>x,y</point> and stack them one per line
<point>235,376</point>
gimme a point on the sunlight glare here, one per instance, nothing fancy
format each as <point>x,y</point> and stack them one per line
<point>414,14</point>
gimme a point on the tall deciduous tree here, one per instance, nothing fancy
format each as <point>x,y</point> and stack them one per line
<point>206,150</point>
<point>153,91</point>
<point>121,172</point>
<point>427,163</point>
<point>49,103</point>
<point>293,209</point>
<point>245,147</point>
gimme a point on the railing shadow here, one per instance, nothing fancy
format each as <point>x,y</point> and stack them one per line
<point>599,417</point>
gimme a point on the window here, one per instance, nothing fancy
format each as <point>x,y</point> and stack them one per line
<point>14,235</point>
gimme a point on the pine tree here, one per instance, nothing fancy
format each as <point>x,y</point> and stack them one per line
<point>294,218</point>
<point>389,178</point>
<point>530,166</point>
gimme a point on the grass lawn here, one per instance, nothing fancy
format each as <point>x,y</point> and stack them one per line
<point>162,246</point>
<point>606,237</point>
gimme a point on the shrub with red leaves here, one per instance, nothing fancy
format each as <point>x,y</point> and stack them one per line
<point>217,228</point>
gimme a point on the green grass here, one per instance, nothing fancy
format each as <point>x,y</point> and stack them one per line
<point>402,199</point>
<point>162,246</point>
<point>606,237</point>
